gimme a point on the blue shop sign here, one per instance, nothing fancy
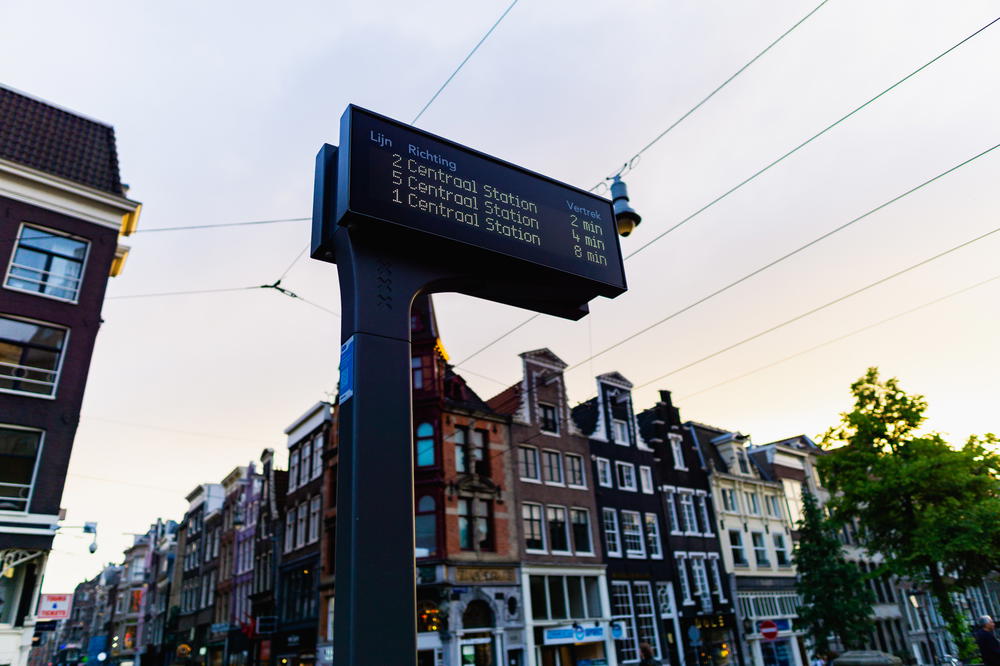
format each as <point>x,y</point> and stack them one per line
<point>573,634</point>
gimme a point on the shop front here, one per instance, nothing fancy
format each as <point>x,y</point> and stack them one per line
<point>710,640</point>
<point>773,643</point>
<point>295,647</point>
<point>574,644</point>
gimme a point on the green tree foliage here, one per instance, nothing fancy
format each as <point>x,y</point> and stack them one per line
<point>932,510</point>
<point>836,601</point>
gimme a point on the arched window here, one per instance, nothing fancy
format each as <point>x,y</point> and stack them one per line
<point>425,445</point>
<point>425,525</point>
<point>477,615</point>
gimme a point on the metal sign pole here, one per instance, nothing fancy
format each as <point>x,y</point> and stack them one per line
<point>375,603</point>
<point>400,212</point>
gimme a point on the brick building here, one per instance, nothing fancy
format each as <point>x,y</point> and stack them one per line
<point>62,210</point>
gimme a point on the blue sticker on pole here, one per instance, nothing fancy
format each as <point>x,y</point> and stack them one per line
<point>346,370</point>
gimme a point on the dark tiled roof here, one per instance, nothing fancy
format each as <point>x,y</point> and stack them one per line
<point>585,416</point>
<point>507,401</point>
<point>47,138</point>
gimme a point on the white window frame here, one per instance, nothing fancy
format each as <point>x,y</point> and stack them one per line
<point>541,515</point>
<point>647,589</point>
<point>628,619</point>
<point>590,532</point>
<point>305,462</point>
<point>566,529</point>
<point>646,479</point>
<point>753,502</point>
<point>728,506</point>
<point>632,553</point>
<point>665,600</point>
<point>301,520</point>
<point>690,517</point>
<point>538,464</point>
<point>293,470</point>
<point>617,424</point>
<point>713,559</point>
<point>652,525</point>
<point>57,373</point>
<point>607,513</point>
<point>54,232</point>
<point>619,465</point>
<point>545,453</point>
<point>763,548</point>
<point>318,455</point>
<point>314,511</point>
<point>682,578</point>
<point>555,410</point>
<point>605,475</point>
<point>741,547</point>
<point>783,549</point>
<point>677,450</point>
<point>582,467</point>
<point>703,509</point>
<point>699,573</point>
<point>773,502</point>
<point>289,532</point>
<point>34,472</point>
<point>672,505</point>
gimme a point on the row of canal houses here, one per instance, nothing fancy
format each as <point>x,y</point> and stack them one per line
<point>546,534</point>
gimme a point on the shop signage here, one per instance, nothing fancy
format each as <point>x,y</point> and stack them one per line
<point>484,575</point>
<point>54,606</point>
<point>694,635</point>
<point>573,633</point>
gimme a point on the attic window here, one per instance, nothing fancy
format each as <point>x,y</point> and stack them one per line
<point>619,431</point>
<point>741,456</point>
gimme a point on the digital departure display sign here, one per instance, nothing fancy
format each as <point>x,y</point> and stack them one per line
<point>394,173</point>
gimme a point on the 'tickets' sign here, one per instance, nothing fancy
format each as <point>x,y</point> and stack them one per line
<point>54,606</point>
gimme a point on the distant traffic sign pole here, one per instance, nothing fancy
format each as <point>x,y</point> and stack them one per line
<point>403,212</point>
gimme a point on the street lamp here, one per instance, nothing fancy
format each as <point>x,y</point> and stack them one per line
<point>626,219</point>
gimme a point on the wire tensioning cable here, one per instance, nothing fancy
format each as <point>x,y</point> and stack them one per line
<point>629,165</point>
<point>464,60</point>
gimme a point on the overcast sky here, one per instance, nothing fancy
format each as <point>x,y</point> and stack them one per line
<point>220,107</point>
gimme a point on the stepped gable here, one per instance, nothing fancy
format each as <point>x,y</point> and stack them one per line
<point>45,137</point>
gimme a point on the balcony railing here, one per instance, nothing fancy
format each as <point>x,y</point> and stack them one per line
<point>14,496</point>
<point>27,378</point>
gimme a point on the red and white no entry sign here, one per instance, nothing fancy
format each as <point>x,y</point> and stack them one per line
<point>768,629</point>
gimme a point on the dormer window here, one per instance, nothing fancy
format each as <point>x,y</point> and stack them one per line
<point>619,431</point>
<point>549,418</point>
<point>741,456</point>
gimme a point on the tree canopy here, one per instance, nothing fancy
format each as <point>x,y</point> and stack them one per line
<point>836,601</point>
<point>932,510</point>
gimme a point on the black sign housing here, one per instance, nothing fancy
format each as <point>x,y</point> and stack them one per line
<point>522,238</point>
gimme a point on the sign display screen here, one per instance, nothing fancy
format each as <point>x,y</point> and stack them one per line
<point>401,175</point>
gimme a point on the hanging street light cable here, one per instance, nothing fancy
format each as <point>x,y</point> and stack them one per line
<point>628,166</point>
<point>819,308</point>
<point>845,336</point>
<point>752,176</point>
<point>785,256</point>
<point>464,60</point>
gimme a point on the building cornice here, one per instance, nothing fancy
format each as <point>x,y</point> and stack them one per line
<point>41,189</point>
